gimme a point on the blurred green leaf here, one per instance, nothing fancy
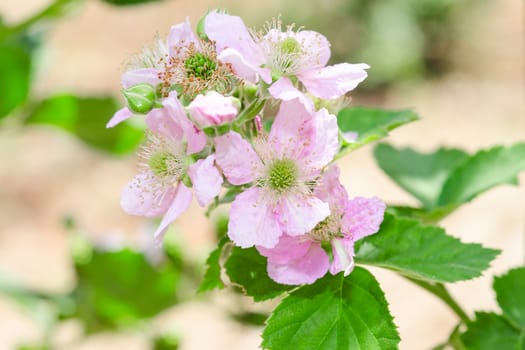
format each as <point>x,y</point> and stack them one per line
<point>333,313</point>
<point>510,293</point>
<point>128,2</point>
<point>247,268</point>
<point>423,252</point>
<point>481,172</point>
<point>422,175</point>
<point>250,318</point>
<point>490,332</point>
<point>212,276</point>
<point>119,288</point>
<point>426,217</point>
<point>166,342</point>
<point>370,124</point>
<point>15,77</point>
<point>86,117</point>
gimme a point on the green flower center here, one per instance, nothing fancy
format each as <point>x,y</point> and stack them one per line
<point>282,174</point>
<point>290,46</point>
<point>200,66</point>
<point>165,164</point>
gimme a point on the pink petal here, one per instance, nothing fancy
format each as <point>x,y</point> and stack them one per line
<point>237,159</point>
<point>331,191</point>
<point>140,76</point>
<point>231,32</point>
<point>140,197</point>
<point>289,248</point>
<point>333,81</point>
<point>283,89</point>
<point>212,109</point>
<point>161,121</point>
<point>343,250</point>
<point>206,179</point>
<point>362,217</point>
<point>179,205</point>
<point>181,35</point>
<point>241,67</point>
<point>119,117</point>
<point>316,48</point>
<point>304,270</point>
<point>300,214</point>
<point>253,221</point>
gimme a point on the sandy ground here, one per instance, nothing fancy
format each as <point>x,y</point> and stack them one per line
<point>47,174</point>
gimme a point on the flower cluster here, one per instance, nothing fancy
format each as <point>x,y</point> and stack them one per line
<point>234,108</point>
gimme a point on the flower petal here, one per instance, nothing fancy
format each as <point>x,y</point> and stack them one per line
<point>141,197</point>
<point>299,214</point>
<point>213,109</point>
<point>179,205</point>
<point>304,270</point>
<point>253,221</point>
<point>283,89</point>
<point>140,76</point>
<point>362,217</point>
<point>181,35</point>
<point>331,191</point>
<point>119,117</point>
<point>289,248</point>
<point>237,159</point>
<point>316,48</point>
<point>343,250</point>
<point>333,81</point>
<point>242,67</point>
<point>206,179</point>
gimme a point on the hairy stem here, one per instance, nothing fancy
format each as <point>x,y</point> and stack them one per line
<point>440,291</point>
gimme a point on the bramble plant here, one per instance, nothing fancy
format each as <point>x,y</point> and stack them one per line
<point>257,119</point>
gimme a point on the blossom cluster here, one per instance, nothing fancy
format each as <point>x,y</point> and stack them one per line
<point>244,116</point>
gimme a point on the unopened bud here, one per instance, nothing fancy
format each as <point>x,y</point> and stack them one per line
<point>141,98</point>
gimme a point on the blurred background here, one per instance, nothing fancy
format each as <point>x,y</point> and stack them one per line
<point>78,273</point>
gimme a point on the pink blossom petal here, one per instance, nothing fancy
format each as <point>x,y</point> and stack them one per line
<point>300,214</point>
<point>212,109</point>
<point>237,159</point>
<point>161,121</point>
<point>140,197</point>
<point>181,35</point>
<point>343,250</point>
<point>253,221</point>
<point>331,191</point>
<point>206,179</point>
<point>241,67</point>
<point>362,217</point>
<point>288,249</point>
<point>304,270</point>
<point>283,89</point>
<point>231,32</point>
<point>333,81</point>
<point>316,48</point>
<point>179,205</point>
<point>140,76</point>
<point>325,143</point>
<point>292,130</point>
<point>119,117</point>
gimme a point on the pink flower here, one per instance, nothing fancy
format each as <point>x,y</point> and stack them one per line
<point>183,62</point>
<point>282,170</point>
<point>213,109</point>
<point>277,54</point>
<point>302,259</point>
<point>160,188</point>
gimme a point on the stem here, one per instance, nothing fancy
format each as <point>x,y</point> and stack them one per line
<point>440,291</point>
<point>55,9</point>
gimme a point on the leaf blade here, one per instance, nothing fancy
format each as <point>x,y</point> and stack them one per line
<point>511,298</point>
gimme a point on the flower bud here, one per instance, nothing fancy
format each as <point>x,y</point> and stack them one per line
<point>141,98</point>
<point>213,109</point>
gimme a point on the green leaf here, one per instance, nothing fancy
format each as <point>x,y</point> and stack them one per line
<point>128,2</point>
<point>482,171</point>
<point>119,288</point>
<point>490,331</point>
<point>334,313</point>
<point>212,276</point>
<point>15,77</point>
<point>423,252</point>
<point>510,293</point>
<point>247,268</point>
<point>426,217</point>
<point>370,124</point>
<point>422,175</point>
<point>86,117</point>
